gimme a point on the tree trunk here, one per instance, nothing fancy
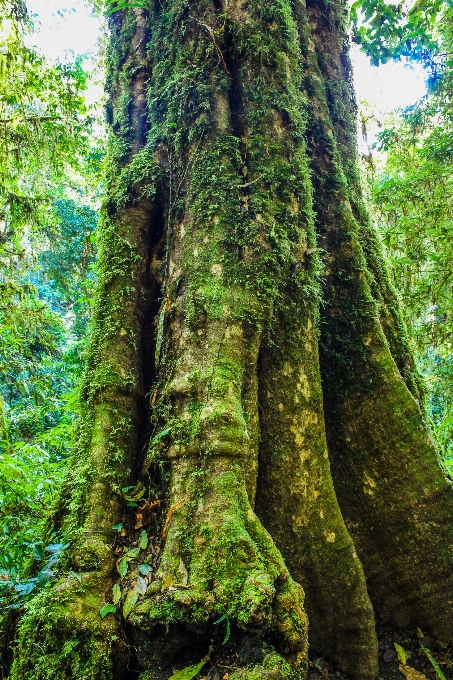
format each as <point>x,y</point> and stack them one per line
<point>201,498</point>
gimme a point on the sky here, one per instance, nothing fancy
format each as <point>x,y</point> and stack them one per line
<point>66,29</point>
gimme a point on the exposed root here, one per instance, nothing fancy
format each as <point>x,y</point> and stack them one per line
<point>218,561</point>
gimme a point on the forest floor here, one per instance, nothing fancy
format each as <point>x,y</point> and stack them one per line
<point>401,656</point>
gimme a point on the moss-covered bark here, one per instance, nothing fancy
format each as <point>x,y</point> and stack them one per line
<point>231,145</point>
<point>387,471</point>
<point>297,501</point>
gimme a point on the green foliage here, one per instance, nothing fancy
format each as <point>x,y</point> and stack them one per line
<point>107,609</point>
<point>46,257</point>
<point>117,5</point>
<point>43,125</point>
<point>434,663</point>
<point>413,198</point>
<point>387,30</point>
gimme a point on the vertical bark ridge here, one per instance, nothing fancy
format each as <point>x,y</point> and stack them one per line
<point>329,24</point>
<point>384,463</point>
<point>296,499</point>
<point>315,543</point>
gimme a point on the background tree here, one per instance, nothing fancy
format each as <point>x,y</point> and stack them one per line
<point>202,493</point>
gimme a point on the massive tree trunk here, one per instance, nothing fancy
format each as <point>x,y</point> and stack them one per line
<point>249,456</point>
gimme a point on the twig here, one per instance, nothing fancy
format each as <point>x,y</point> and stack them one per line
<point>249,184</point>
<point>169,516</point>
<point>212,34</point>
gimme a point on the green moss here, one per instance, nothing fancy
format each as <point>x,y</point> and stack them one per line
<point>63,636</point>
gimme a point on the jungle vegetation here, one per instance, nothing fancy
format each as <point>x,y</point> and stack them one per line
<point>226,445</point>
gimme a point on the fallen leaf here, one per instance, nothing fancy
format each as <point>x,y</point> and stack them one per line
<point>169,516</point>
<point>150,506</point>
<point>411,674</point>
<point>402,656</point>
<point>141,585</point>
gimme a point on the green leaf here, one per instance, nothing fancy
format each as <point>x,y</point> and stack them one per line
<point>38,551</point>
<point>132,553</point>
<point>126,5</point>
<point>134,493</point>
<point>144,569</point>
<point>129,603</point>
<point>123,566</point>
<point>143,540</point>
<point>118,527</point>
<point>107,609</point>
<point>188,673</point>
<point>434,663</point>
<point>402,656</point>
<point>44,576</point>
<point>222,618</point>
<point>227,632</point>
<point>116,593</point>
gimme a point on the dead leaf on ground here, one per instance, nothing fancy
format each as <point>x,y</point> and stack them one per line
<point>141,512</point>
<point>411,674</point>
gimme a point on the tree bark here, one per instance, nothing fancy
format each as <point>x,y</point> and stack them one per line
<point>201,499</point>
